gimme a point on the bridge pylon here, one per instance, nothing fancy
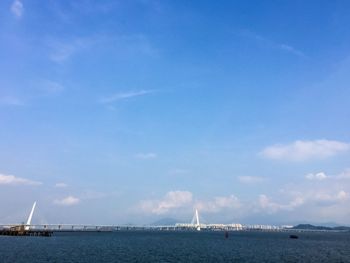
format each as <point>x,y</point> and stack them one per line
<point>195,220</point>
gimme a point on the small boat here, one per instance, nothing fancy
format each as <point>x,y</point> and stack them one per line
<point>226,234</point>
<point>293,236</point>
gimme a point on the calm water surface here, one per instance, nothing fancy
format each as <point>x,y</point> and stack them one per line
<point>133,246</point>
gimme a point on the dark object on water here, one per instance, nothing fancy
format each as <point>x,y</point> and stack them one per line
<point>226,234</point>
<point>293,236</point>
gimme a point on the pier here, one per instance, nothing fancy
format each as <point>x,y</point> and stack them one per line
<point>22,231</point>
<point>25,229</point>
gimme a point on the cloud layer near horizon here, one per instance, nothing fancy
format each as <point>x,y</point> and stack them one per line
<point>309,198</point>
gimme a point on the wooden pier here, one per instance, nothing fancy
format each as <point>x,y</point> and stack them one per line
<point>22,231</point>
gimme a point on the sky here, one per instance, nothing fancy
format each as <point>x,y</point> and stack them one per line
<point>128,112</point>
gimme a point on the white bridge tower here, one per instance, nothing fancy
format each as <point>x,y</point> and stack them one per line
<point>30,217</point>
<point>195,220</point>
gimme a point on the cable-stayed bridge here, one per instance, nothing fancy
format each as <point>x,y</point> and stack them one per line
<point>47,229</point>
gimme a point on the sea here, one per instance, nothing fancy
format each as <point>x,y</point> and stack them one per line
<point>172,246</point>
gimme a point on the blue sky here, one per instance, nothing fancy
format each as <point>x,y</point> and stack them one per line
<point>132,111</point>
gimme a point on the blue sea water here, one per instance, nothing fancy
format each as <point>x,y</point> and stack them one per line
<point>163,246</point>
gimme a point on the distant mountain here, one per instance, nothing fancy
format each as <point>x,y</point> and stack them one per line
<point>312,227</point>
<point>165,222</point>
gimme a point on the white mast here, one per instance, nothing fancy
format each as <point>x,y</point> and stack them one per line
<point>30,217</point>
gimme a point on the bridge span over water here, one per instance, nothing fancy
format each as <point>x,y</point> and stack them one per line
<point>47,229</point>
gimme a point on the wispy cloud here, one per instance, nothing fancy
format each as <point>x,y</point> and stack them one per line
<point>67,201</point>
<point>146,156</point>
<point>330,198</point>
<point>13,180</point>
<point>344,175</point>
<point>320,176</point>
<point>85,7</point>
<point>218,204</point>
<point>120,46</point>
<point>61,185</point>
<point>270,206</point>
<point>250,179</point>
<point>272,44</point>
<point>11,101</point>
<point>172,200</point>
<point>50,87</point>
<point>291,50</point>
<point>125,95</point>
<point>132,45</point>
<point>63,50</point>
<point>309,198</point>
<point>305,150</point>
<point>39,89</point>
<point>320,194</point>
<point>17,8</point>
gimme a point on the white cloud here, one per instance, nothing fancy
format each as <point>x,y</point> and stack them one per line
<point>61,185</point>
<point>67,201</point>
<point>317,176</point>
<point>183,201</point>
<point>271,207</point>
<point>13,180</point>
<point>17,8</point>
<point>322,201</point>
<point>146,156</point>
<point>218,204</point>
<point>250,179</point>
<point>305,150</point>
<point>342,196</point>
<point>323,176</point>
<point>310,200</point>
<point>172,200</point>
<point>325,198</point>
<point>265,202</point>
<point>125,95</point>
